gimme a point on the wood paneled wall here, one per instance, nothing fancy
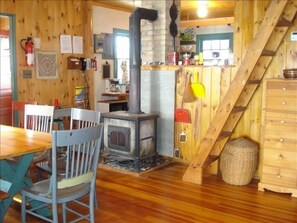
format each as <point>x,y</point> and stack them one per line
<point>217,80</point>
<point>47,20</point>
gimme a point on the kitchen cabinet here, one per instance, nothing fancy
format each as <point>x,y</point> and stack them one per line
<point>107,46</point>
<point>103,43</point>
<point>279,168</point>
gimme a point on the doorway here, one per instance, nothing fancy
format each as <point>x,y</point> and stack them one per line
<point>8,71</point>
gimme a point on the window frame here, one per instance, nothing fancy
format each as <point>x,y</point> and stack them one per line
<point>117,32</point>
<point>215,36</point>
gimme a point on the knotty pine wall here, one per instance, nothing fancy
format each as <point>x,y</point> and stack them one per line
<point>47,20</point>
<point>248,17</point>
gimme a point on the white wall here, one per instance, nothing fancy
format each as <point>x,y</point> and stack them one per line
<point>214,29</point>
<point>104,21</point>
<point>211,29</point>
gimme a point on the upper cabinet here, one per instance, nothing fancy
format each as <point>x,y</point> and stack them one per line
<point>107,47</point>
<point>103,43</point>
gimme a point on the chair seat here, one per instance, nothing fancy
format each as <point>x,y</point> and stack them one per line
<point>64,195</point>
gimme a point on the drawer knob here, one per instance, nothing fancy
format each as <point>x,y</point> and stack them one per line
<point>283,102</point>
<point>280,157</point>
<point>281,140</point>
<point>282,121</point>
<point>284,88</point>
<point>278,175</point>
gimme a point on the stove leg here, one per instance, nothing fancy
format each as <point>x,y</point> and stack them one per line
<point>137,164</point>
<point>155,159</point>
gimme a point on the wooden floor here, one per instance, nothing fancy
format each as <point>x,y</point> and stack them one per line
<point>161,196</point>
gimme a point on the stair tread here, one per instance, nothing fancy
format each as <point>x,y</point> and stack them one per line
<point>253,82</point>
<point>282,22</point>
<point>238,109</point>
<point>268,53</point>
<point>224,134</point>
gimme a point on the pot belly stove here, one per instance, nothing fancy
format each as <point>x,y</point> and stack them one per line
<point>129,137</point>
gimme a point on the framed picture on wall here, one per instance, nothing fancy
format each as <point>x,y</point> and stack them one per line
<point>46,65</point>
<point>98,43</point>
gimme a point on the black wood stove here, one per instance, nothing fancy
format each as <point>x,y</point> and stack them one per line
<point>131,135</point>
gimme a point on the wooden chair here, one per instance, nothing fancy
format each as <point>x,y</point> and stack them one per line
<point>39,118</point>
<point>82,118</point>
<point>79,118</point>
<point>82,155</point>
<point>18,108</point>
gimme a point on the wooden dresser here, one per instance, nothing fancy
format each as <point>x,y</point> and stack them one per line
<point>279,167</point>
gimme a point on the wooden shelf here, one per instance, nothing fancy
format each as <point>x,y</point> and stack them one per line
<point>188,42</point>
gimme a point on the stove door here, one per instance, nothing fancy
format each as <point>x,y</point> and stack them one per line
<point>118,138</point>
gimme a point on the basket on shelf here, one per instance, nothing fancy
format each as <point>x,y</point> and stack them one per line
<point>238,161</point>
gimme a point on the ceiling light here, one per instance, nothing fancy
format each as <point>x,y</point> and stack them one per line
<point>202,11</point>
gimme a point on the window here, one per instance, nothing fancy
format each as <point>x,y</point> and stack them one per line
<point>121,55</point>
<point>5,77</point>
<point>216,48</point>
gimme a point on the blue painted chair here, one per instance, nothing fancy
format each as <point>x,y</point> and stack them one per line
<point>79,118</point>
<point>82,155</point>
<point>39,118</point>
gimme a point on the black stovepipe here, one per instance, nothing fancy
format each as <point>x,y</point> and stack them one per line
<point>135,56</point>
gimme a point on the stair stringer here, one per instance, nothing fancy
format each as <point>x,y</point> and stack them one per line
<point>202,157</point>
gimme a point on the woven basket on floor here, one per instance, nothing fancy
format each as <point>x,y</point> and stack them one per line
<point>238,161</point>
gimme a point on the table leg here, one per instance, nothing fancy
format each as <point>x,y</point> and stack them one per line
<point>16,175</point>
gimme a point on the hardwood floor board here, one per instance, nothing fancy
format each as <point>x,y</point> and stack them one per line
<point>160,196</point>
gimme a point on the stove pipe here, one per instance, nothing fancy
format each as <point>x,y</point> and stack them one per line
<point>135,55</point>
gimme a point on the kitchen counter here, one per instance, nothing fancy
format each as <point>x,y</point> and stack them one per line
<point>177,67</point>
<point>119,95</point>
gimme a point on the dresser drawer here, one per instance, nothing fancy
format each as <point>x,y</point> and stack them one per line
<point>280,140</point>
<point>281,103</point>
<point>279,176</point>
<point>284,88</point>
<point>280,158</point>
<point>281,121</point>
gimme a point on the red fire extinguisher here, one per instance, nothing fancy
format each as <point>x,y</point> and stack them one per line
<point>95,64</point>
<point>29,51</point>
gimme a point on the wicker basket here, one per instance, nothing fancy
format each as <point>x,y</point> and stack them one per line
<point>238,161</point>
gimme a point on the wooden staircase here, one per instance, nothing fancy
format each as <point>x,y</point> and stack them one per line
<point>277,20</point>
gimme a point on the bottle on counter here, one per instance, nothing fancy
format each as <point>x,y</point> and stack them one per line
<point>200,62</point>
<point>196,59</point>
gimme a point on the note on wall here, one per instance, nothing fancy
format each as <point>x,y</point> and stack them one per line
<point>65,44</point>
<point>77,44</point>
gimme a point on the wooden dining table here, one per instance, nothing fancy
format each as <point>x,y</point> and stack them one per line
<point>22,143</point>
